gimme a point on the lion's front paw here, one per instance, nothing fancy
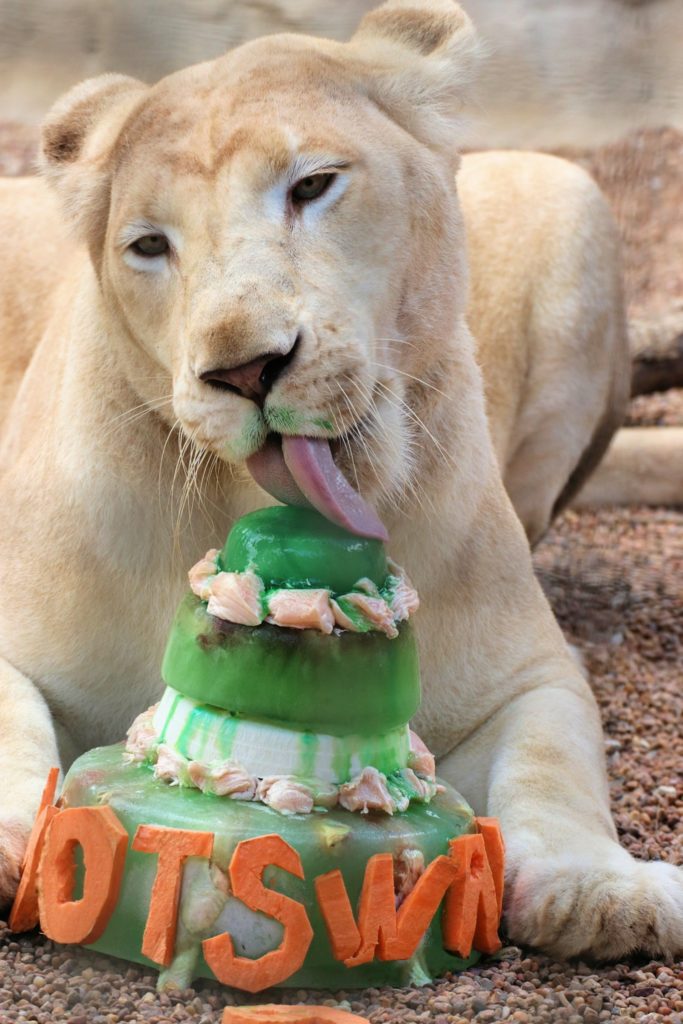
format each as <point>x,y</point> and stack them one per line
<point>13,840</point>
<point>602,911</point>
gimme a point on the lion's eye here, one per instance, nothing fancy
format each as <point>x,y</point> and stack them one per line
<point>311,187</point>
<point>151,245</point>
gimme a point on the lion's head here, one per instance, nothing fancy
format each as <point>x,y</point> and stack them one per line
<point>277,231</point>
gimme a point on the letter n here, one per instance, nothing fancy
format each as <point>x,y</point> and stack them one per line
<point>471,915</point>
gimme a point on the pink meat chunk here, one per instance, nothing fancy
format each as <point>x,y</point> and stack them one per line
<point>170,765</point>
<point>201,574</point>
<point>424,789</point>
<point>236,597</point>
<point>226,778</point>
<point>141,737</point>
<point>420,758</point>
<point>367,586</point>
<point>376,611</point>
<point>326,795</point>
<point>367,792</point>
<point>341,619</point>
<point>302,609</point>
<point>405,600</point>
<point>285,794</point>
<point>409,865</point>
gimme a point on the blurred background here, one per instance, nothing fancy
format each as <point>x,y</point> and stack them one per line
<point>560,72</point>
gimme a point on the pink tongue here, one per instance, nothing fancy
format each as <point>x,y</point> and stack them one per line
<point>302,472</point>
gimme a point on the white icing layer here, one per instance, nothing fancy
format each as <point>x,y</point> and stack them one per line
<point>367,789</point>
<point>212,734</point>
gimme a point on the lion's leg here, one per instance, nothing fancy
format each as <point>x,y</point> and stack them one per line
<point>550,328</point>
<point>538,766</point>
<point>643,465</point>
<point>28,749</point>
<point>565,423</point>
<point>543,467</point>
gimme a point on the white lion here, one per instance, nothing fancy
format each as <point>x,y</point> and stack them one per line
<point>271,245</point>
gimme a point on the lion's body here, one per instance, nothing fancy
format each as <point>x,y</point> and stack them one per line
<point>29,273</point>
<point>375,290</point>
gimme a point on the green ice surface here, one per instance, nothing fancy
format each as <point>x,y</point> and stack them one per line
<point>338,839</point>
<point>297,547</point>
<point>339,684</point>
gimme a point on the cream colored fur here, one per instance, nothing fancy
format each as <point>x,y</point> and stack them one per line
<point>95,531</point>
<point>643,466</point>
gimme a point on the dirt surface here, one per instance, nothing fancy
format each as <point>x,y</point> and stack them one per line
<point>614,579</point>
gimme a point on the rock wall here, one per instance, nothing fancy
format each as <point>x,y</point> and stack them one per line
<point>559,72</point>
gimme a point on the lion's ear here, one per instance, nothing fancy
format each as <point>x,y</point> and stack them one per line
<point>420,58</point>
<point>77,137</point>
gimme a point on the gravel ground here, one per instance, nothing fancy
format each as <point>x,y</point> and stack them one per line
<point>661,409</point>
<point>613,577</point>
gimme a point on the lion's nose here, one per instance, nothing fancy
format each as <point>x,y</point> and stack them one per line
<point>251,380</point>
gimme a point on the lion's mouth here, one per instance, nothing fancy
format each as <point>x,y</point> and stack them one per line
<point>301,471</point>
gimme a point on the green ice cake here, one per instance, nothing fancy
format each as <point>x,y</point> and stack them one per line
<point>291,677</point>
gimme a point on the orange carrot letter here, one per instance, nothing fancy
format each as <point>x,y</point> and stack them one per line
<point>471,910</point>
<point>335,906</point>
<point>495,854</point>
<point>417,910</point>
<point>248,862</point>
<point>103,840</point>
<point>377,910</point>
<point>49,790</point>
<point>174,846</point>
<point>395,935</point>
<point>24,913</point>
<point>272,1013</point>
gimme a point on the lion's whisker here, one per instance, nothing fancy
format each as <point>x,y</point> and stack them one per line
<point>408,484</point>
<point>412,376</point>
<point>150,403</point>
<point>354,429</point>
<point>360,437</point>
<point>130,416</point>
<point>171,432</point>
<point>342,434</point>
<point>447,457</point>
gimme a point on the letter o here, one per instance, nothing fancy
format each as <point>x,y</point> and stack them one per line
<point>103,840</point>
